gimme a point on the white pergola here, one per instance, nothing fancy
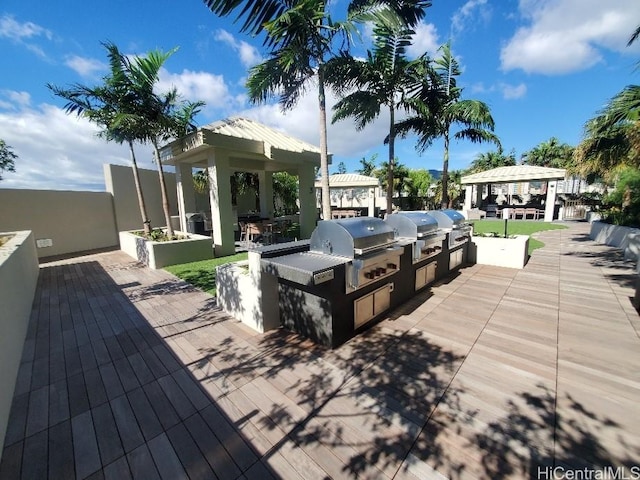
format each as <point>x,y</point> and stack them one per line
<point>515,174</point>
<point>345,181</point>
<point>239,144</point>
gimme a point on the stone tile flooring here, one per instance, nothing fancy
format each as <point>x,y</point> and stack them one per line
<point>493,373</point>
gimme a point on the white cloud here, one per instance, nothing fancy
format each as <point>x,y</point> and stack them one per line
<point>424,40</point>
<point>21,32</point>
<point>195,86</point>
<point>59,151</point>
<point>303,122</point>
<point>15,100</point>
<point>512,92</point>
<point>564,36</point>
<point>249,55</point>
<point>10,28</point>
<point>472,9</point>
<point>85,67</point>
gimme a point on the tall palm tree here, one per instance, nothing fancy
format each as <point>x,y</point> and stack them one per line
<point>383,80</point>
<point>438,109</point>
<point>161,116</point>
<point>302,37</point>
<point>551,153</point>
<point>102,105</point>
<point>489,160</point>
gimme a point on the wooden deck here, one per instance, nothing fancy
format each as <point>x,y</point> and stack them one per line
<point>495,373</point>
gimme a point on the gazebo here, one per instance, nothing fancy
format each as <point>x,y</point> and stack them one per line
<point>353,181</point>
<point>515,174</point>
<point>240,144</point>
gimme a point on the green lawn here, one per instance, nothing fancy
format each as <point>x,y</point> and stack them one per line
<point>516,227</point>
<point>202,274</point>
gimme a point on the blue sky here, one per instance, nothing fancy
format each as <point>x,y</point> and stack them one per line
<point>543,66</point>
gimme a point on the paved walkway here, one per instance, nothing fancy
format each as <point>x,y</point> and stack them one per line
<point>495,373</point>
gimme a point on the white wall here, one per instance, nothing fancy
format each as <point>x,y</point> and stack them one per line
<point>73,221</point>
<point>119,182</point>
<point>18,277</point>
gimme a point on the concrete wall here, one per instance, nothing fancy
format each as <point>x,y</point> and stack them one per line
<point>119,182</point>
<point>72,221</point>
<point>625,238</point>
<point>18,278</point>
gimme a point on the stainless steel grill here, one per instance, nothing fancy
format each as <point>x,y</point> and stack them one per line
<point>455,223</point>
<point>420,229</point>
<point>368,242</point>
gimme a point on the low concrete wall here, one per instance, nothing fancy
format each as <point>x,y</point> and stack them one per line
<point>62,222</point>
<point>18,277</point>
<point>161,254</point>
<point>500,252</point>
<point>625,238</point>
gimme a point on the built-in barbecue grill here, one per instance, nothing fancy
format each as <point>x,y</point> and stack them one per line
<point>369,244</point>
<point>342,282</point>
<point>459,232</point>
<point>455,223</point>
<point>421,230</point>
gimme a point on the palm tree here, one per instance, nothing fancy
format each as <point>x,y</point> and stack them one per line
<point>438,108</point>
<point>103,106</point>
<point>612,138</point>
<point>7,158</point>
<point>489,160</point>
<point>301,36</point>
<point>551,153</point>
<point>381,81</point>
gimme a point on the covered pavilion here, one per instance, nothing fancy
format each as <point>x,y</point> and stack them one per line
<point>239,144</point>
<point>367,186</point>
<point>515,174</point>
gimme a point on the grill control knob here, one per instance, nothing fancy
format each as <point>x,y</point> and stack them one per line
<point>437,248</point>
<point>392,266</point>
<point>382,270</point>
<point>369,275</point>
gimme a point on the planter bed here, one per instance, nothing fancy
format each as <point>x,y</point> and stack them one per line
<point>508,252</point>
<point>160,254</point>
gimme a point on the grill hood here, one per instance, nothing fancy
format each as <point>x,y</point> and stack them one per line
<point>448,218</point>
<point>412,224</point>
<point>351,236</point>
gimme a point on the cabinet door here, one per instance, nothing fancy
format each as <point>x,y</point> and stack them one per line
<point>420,278</point>
<point>381,300</point>
<point>430,273</point>
<point>363,310</point>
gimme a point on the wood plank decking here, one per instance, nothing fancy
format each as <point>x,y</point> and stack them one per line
<point>495,373</point>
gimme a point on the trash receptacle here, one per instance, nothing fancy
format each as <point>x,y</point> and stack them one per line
<point>195,224</point>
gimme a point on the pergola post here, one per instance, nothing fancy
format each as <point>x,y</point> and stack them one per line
<point>550,202</point>
<point>479,189</point>
<point>186,193</point>
<point>307,198</point>
<point>265,186</point>
<point>468,193</point>
<point>220,199</point>
<point>371,202</point>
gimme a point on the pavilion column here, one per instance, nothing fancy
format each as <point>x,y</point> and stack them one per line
<point>550,202</point>
<point>468,193</point>
<point>265,186</point>
<point>307,198</point>
<point>186,193</point>
<point>220,199</point>
<point>479,189</point>
<point>371,202</point>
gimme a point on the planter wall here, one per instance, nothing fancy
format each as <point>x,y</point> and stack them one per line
<point>19,272</point>
<point>500,252</point>
<point>625,238</point>
<point>160,254</point>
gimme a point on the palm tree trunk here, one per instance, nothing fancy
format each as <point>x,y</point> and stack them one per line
<point>146,223</point>
<point>324,155</point>
<point>163,190</point>
<point>444,203</point>
<point>390,164</point>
